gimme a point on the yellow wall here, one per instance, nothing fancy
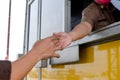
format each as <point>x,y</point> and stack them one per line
<point>33,74</point>
<point>99,62</point>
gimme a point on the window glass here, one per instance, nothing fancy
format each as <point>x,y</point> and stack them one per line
<point>33,23</point>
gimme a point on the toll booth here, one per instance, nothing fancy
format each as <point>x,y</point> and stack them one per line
<point>95,57</point>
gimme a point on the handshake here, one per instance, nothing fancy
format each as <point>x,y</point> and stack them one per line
<point>46,47</point>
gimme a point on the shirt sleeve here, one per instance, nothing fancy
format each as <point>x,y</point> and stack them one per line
<point>5,70</point>
<point>90,14</point>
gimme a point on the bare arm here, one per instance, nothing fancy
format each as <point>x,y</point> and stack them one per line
<point>41,50</point>
<point>80,31</point>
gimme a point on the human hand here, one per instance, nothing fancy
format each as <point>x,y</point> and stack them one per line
<point>46,48</point>
<point>64,39</point>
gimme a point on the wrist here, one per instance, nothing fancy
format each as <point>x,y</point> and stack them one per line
<point>35,55</point>
<point>71,35</point>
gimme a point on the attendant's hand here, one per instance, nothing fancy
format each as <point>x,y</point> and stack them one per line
<point>64,39</point>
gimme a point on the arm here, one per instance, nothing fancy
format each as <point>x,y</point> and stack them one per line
<point>80,31</point>
<point>42,49</point>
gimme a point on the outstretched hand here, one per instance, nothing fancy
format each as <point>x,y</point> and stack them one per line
<point>64,39</point>
<point>46,47</point>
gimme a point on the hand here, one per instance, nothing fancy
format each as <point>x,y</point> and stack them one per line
<point>64,39</point>
<point>46,48</point>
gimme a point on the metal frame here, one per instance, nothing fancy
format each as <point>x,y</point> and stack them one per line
<point>100,34</point>
<point>67,15</point>
<point>26,35</point>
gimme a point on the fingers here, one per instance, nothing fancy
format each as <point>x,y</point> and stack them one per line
<point>52,37</point>
<point>56,55</point>
<point>59,45</point>
<point>55,40</point>
<point>58,48</point>
<point>56,34</point>
<point>60,34</point>
<point>58,41</point>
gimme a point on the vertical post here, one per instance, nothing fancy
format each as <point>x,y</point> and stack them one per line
<point>39,73</point>
<point>8,35</point>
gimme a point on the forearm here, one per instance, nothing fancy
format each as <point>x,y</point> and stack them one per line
<point>42,49</point>
<point>22,66</point>
<point>80,31</point>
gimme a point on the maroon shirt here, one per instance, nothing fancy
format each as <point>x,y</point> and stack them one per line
<point>97,16</point>
<point>5,70</point>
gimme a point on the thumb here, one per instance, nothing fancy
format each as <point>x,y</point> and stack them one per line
<point>54,34</point>
<point>57,34</point>
<point>56,55</point>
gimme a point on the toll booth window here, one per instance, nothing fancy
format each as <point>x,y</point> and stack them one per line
<point>33,7</point>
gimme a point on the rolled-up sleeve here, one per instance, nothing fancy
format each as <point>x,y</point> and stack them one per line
<point>5,70</point>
